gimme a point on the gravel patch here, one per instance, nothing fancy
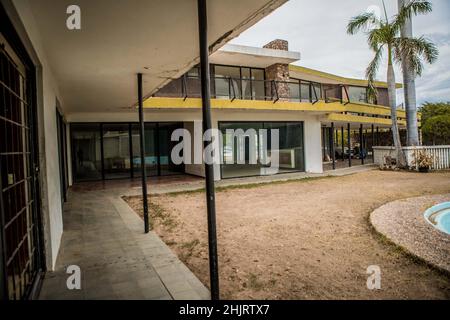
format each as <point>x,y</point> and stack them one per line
<point>306,239</point>
<point>403,223</point>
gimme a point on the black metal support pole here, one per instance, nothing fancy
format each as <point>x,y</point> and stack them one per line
<point>142,145</point>
<point>349,142</point>
<point>209,168</point>
<point>333,154</point>
<point>361,143</point>
<point>342,143</point>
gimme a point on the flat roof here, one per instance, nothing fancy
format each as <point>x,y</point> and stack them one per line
<point>239,55</point>
<point>320,76</point>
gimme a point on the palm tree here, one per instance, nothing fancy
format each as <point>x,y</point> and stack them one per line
<point>383,36</point>
<point>409,87</point>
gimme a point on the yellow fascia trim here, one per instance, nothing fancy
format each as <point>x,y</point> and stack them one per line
<point>343,80</point>
<point>361,119</point>
<point>321,106</point>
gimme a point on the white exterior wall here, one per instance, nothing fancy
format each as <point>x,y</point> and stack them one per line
<point>47,94</point>
<point>196,149</point>
<point>313,146</point>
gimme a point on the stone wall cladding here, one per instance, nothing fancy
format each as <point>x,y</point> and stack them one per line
<point>278,72</point>
<point>277,44</point>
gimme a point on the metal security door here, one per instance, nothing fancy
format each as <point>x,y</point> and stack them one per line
<point>20,217</point>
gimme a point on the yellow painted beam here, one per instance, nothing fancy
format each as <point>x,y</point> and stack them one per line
<point>321,106</point>
<point>338,117</point>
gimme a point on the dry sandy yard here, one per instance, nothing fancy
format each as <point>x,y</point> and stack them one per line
<point>302,240</point>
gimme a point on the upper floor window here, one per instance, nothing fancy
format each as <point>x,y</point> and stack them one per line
<point>357,94</point>
<point>304,91</point>
<point>238,82</point>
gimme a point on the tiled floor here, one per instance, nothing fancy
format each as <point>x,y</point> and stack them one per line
<point>117,260</point>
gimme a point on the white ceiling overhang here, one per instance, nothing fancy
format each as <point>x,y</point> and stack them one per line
<point>95,68</point>
<point>238,55</point>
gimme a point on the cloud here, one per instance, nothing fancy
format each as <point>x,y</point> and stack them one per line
<point>318,30</point>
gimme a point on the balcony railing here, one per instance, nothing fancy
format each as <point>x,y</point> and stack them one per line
<point>249,89</point>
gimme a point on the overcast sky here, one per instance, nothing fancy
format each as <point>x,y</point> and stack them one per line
<point>317,29</point>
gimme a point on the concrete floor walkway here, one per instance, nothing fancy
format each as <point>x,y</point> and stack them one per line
<point>105,238</point>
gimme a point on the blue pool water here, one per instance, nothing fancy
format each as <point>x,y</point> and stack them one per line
<point>439,216</point>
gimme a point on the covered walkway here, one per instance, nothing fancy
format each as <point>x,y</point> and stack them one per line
<point>106,239</point>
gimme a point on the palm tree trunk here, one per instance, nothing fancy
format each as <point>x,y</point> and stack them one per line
<point>409,87</point>
<point>401,160</point>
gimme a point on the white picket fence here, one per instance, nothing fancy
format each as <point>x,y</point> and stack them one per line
<point>440,154</point>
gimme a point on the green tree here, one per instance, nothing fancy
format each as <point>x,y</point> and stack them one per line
<point>436,123</point>
<point>383,37</point>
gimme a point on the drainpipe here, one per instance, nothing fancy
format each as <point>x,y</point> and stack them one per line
<point>142,145</point>
<point>209,168</point>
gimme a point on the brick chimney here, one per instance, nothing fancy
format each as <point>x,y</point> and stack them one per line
<point>277,44</point>
<point>278,71</point>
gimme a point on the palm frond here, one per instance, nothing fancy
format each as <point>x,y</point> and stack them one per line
<point>361,22</point>
<point>414,50</point>
<point>375,38</point>
<point>413,7</point>
<point>371,73</point>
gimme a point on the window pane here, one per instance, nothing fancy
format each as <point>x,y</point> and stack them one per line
<point>305,96</point>
<point>258,74</point>
<point>245,73</point>
<point>240,153</point>
<point>357,94</point>
<point>151,163</point>
<point>291,154</point>
<point>194,72</point>
<point>116,151</point>
<point>86,151</point>
<point>166,145</point>
<point>318,91</point>
<point>247,90</point>
<point>294,91</point>
<point>246,156</point>
<point>227,71</point>
<point>258,90</point>
<point>222,86</point>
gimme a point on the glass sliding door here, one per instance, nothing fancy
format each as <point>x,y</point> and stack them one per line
<point>112,150</point>
<point>239,153</point>
<point>245,156</point>
<point>291,153</point>
<point>165,146</point>
<point>86,152</point>
<point>151,156</point>
<point>116,151</point>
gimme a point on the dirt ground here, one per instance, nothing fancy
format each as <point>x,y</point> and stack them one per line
<point>302,240</point>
